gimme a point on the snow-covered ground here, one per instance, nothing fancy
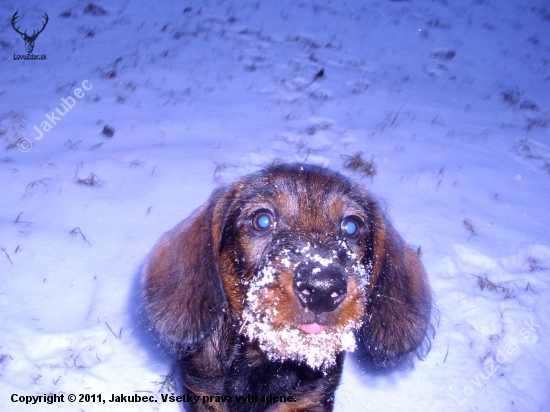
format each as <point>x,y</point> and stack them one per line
<point>450,98</point>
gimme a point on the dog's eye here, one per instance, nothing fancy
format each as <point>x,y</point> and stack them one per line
<point>262,221</point>
<point>351,226</point>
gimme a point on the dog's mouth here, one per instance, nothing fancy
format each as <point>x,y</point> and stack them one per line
<point>312,328</point>
<point>310,344</point>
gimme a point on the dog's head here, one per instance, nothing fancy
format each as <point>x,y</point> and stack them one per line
<point>297,258</point>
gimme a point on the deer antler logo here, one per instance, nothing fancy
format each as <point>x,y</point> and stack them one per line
<point>29,40</point>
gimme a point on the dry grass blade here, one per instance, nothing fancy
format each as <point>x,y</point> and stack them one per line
<point>360,165</point>
<point>77,231</point>
<point>93,180</point>
<point>485,283</point>
<point>114,334</point>
<point>469,227</point>
<point>35,183</point>
<point>8,256</point>
<point>167,382</point>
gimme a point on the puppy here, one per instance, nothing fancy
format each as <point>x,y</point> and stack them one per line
<point>263,289</point>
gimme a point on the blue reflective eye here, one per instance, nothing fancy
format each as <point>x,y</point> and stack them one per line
<point>350,228</point>
<point>262,221</point>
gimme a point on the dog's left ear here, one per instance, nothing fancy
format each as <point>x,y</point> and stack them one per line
<point>397,318</point>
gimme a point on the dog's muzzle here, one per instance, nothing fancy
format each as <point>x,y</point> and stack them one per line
<point>318,288</point>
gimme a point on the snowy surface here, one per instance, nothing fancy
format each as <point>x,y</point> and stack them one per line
<point>451,98</point>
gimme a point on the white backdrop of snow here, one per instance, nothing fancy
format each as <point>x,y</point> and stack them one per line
<point>202,92</point>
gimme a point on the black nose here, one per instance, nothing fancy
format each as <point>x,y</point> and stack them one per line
<point>320,289</point>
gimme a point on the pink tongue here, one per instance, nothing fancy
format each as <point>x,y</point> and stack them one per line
<point>312,328</point>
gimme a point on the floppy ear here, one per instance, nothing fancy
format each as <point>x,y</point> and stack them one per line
<point>181,281</point>
<point>398,311</point>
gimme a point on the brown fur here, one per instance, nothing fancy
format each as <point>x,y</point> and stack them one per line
<point>197,287</point>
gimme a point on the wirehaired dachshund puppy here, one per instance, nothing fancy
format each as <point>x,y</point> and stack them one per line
<point>263,289</point>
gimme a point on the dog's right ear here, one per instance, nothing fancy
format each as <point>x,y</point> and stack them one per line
<point>181,281</point>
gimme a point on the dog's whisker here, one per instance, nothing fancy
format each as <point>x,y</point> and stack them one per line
<point>393,299</point>
<point>243,325</point>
